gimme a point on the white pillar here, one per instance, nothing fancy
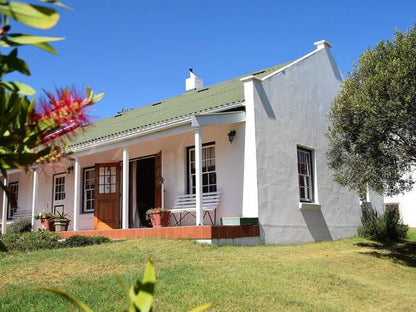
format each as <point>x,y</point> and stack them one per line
<point>76,193</point>
<point>34,196</point>
<point>198,176</point>
<point>250,188</point>
<point>4,210</point>
<point>125,201</point>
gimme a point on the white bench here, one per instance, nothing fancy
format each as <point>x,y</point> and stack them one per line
<point>186,204</point>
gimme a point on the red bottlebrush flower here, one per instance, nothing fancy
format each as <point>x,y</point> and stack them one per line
<point>66,110</point>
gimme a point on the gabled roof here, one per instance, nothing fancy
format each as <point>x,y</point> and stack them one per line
<point>215,98</point>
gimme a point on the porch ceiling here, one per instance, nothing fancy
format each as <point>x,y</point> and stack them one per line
<point>216,98</point>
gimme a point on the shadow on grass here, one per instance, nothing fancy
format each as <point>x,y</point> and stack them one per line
<point>402,253</point>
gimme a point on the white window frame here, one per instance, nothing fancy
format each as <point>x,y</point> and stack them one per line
<point>208,158</point>
<point>305,177</point>
<point>85,191</point>
<point>14,188</point>
<point>59,188</point>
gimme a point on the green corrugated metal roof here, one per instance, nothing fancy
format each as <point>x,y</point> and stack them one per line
<point>217,97</point>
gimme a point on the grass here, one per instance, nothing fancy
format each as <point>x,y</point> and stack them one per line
<point>411,234</point>
<point>347,275</point>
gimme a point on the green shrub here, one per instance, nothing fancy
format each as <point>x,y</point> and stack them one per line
<point>79,241</point>
<point>387,227</point>
<point>31,241</point>
<point>19,226</point>
<point>394,227</point>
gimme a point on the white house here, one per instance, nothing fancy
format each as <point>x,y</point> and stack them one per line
<point>258,139</point>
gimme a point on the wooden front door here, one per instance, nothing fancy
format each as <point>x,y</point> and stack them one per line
<point>107,196</point>
<point>158,180</point>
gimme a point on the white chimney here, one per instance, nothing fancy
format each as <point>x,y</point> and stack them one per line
<point>322,44</point>
<point>193,82</point>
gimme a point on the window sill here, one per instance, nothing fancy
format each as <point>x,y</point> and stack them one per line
<point>309,206</point>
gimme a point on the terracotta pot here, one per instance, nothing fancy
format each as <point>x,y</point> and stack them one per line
<point>47,224</point>
<point>160,218</point>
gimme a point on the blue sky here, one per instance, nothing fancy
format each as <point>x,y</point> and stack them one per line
<point>139,52</point>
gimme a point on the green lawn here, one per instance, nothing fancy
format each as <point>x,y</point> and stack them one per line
<point>411,234</point>
<point>348,275</point>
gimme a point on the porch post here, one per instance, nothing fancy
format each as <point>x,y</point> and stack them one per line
<point>76,193</point>
<point>4,209</point>
<point>125,201</point>
<point>198,176</point>
<point>34,196</point>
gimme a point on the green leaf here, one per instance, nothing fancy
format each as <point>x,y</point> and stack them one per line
<point>11,62</point>
<point>31,15</point>
<point>45,46</point>
<point>144,299</point>
<point>5,43</point>
<point>123,285</point>
<point>29,39</point>
<point>57,3</point>
<point>204,307</point>
<point>18,87</point>
<point>81,305</point>
<point>98,97</point>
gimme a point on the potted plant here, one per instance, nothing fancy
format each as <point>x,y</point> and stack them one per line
<point>158,216</point>
<point>46,220</point>
<point>61,221</point>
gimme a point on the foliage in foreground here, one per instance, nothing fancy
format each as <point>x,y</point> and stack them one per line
<point>19,226</point>
<point>372,141</point>
<point>387,227</point>
<point>33,133</point>
<point>139,297</point>
<point>47,240</point>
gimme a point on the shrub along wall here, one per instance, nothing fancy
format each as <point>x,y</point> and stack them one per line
<point>47,240</point>
<point>387,227</point>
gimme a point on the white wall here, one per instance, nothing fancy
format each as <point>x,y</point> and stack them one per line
<point>407,206</point>
<point>44,200</point>
<point>290,110</point>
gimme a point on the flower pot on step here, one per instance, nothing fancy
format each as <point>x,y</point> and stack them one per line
<point>47,224</point>
<point>160,218</point>
<point>61,225</point>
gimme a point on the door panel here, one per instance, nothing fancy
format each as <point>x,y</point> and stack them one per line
<point>158,179</point>
<point>107,196</point>
<point>59,193</point>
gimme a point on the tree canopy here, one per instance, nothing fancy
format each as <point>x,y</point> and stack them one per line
<point>372,140</point>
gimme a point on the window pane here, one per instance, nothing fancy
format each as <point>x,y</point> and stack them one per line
<point>212,178</point>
